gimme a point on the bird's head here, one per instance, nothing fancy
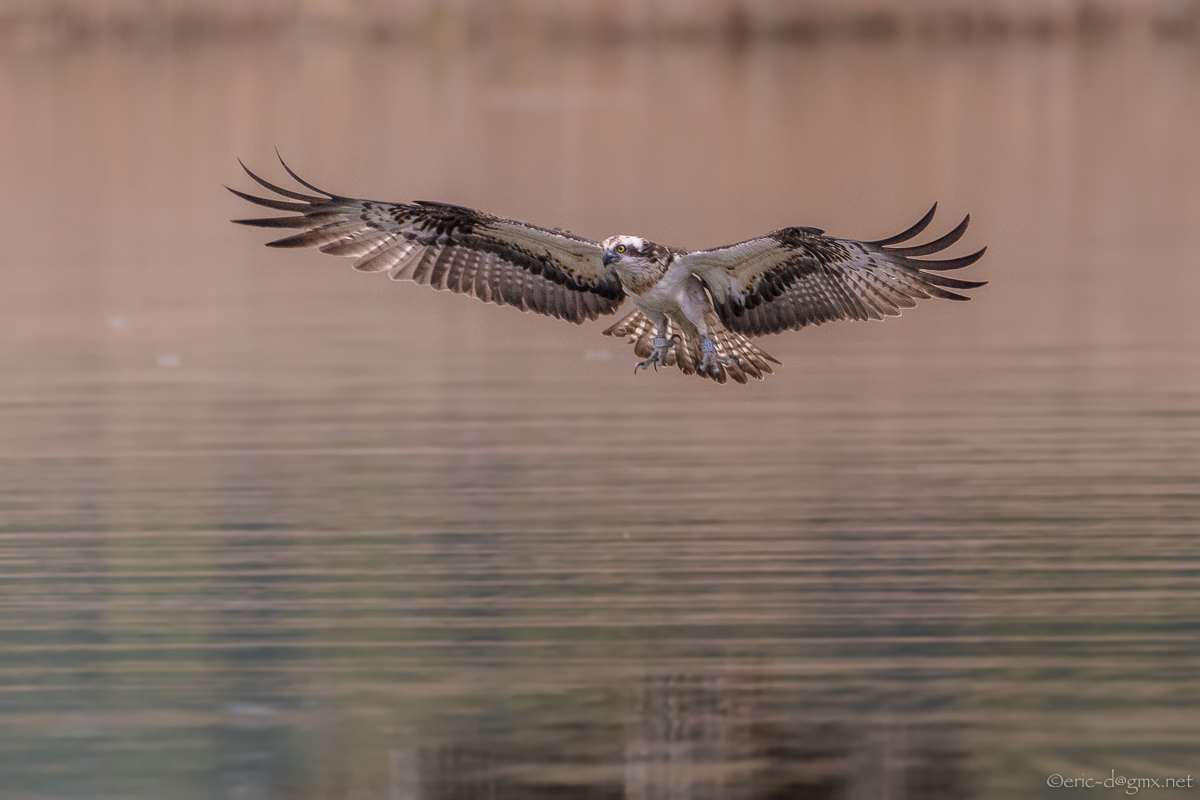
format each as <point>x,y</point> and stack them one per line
<point>633,252</point>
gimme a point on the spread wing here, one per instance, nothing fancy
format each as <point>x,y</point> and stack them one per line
<point>458,249</point>
<point>797,276</point>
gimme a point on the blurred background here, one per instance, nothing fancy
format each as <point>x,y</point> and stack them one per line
<point>56,20</point>
<point>273,529</point>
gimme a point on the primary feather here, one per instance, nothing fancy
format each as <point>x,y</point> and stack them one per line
<point>794,277</point>
<point>452,248</point>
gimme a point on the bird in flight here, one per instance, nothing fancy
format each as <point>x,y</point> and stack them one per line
<point>693,309</point>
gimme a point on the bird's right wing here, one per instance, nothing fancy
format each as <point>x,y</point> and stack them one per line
<point>798,276</point>
<point>453,248</point>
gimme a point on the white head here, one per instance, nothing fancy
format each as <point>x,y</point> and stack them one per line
<point>634,254</point>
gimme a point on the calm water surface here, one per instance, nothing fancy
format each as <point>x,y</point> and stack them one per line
<point>272,529</point>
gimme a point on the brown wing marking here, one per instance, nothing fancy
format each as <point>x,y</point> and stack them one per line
<point>797,276</point>
<point>449,247</point>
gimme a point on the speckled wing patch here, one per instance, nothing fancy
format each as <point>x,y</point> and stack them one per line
<point>798,276</point>
<point>451,248</point>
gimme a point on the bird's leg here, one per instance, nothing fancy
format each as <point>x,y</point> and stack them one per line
<point>661,345</point>
<point>695,304</point>
<point>710,359</point>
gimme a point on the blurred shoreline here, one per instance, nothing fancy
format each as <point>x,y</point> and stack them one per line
<point>36,23</point>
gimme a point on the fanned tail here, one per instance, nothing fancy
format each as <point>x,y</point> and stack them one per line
<point>745,360</point>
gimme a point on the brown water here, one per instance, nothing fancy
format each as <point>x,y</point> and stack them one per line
<point>273,529</point>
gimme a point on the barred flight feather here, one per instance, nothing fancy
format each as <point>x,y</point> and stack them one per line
<point>450,248</point>
<point>795,277</point>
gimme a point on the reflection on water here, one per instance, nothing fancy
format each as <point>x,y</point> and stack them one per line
<point>269,528</point>
<point>698,736</point>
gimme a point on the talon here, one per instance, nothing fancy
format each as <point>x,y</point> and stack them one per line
<point>652,361</point>
<point>659,356</point>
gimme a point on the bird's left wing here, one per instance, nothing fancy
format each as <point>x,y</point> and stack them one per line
<point>798,276</point>
<point>449,247</point>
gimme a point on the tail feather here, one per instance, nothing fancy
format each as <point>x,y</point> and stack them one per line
<point>745,360</point>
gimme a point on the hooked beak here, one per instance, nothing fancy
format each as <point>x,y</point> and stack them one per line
<point>609,257</point>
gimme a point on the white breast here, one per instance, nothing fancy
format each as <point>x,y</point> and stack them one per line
<point>670,295</point>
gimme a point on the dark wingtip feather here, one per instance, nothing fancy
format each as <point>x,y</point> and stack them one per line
<point>305,239</point>
<point>904,236</point>
<point>303,182</point>
<point>308,221</point>
<point>943,294</point>
<point>279,189</point>
<point>951,263</point>
<point>268,202</point>
<point>937,245</point>
<point>951,283</point>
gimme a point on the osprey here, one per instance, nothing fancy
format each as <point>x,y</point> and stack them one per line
<point>693,309</point>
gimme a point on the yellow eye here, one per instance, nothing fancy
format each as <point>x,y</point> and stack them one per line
<point>620,248</point>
